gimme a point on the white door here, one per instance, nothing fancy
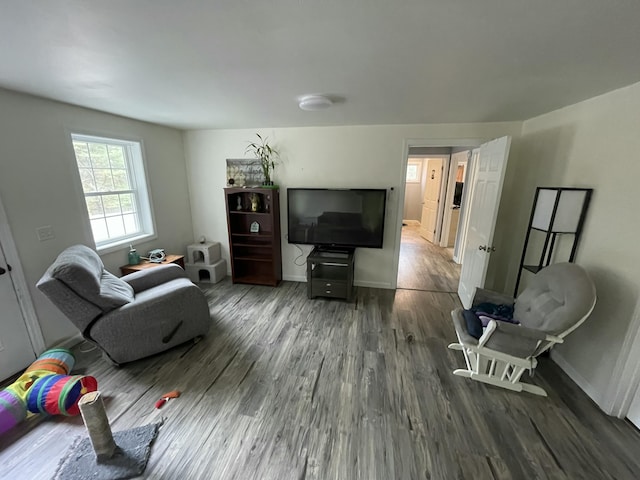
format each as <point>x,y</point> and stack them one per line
<point>487,188</point>
<point>430,206</point>
<point>16,352</point>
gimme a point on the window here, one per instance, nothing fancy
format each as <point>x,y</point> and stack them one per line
<point>414,171</point>
<point>115,189</point>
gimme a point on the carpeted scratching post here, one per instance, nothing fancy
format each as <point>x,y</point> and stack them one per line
<point>106,456</point>
<point>97,423</point>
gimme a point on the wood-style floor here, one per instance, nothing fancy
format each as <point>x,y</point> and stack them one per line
<point>425,266</point>
<point>289,388</point>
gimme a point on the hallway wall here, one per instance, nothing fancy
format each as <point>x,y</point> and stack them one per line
<point>414,192</point>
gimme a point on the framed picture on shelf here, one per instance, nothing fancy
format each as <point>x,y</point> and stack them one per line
<point>244,172</point>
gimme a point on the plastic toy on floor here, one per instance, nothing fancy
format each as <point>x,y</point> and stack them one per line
<point>45,387</point>
<point>166,397</point>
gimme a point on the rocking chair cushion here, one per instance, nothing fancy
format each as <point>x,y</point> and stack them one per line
<point>473,323</point>
<point>557,297</point>
<point>514,340</point>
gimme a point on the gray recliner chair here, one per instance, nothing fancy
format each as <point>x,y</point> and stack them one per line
<point>129,318</point>
<point>558,299</point>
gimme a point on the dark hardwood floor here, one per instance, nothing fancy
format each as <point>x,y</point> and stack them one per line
<point>289,388</point>
<point>425,266</point>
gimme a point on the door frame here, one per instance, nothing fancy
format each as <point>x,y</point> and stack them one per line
<point>625,379</point>
<point>449,193</point>
<point>419,142</point>
<point>467,195</point>
<point>20,284</point>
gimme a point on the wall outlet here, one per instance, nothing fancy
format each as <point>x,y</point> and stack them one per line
<point>45,233</point>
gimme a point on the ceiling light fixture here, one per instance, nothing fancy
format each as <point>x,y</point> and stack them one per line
<point>314,102</point>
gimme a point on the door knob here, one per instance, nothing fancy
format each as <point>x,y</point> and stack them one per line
<point>482,247</point>
<point>2,271</point>
<point>487,248</point>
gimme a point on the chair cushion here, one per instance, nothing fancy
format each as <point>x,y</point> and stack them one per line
<point>474,324</point>
<point>81,269</point>
<point>114,292</point>
<point>558,296</point>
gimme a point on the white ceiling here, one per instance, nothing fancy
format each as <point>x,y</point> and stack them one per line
<point>243,63</point>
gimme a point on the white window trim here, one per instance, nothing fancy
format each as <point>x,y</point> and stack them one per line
<point>137,167</point>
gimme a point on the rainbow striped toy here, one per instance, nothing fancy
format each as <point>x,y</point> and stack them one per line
<point>45,387</point>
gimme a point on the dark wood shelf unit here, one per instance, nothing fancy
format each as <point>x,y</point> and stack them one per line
<point>252,245</point>
<point>251,235</point>
<point>256,257</point>
<point>236,212</point>
<point>330,273</point>
<point>253,258</point>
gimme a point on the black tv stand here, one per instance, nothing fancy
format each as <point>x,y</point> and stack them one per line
<point>330,273</point>
<point>333,251</point>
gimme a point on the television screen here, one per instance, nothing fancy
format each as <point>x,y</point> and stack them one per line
<point>335,217</point>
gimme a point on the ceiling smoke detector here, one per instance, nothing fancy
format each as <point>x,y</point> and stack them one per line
<point>314,102</point>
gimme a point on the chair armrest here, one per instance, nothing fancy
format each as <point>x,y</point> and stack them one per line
<point>146,279</point>
<point>483,295</point>
<point>515,340</point>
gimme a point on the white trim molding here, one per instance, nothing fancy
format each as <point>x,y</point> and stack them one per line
<point>625,377</point>
<point>399,192</point>
<point>20,285</point>
<point>71,342</point>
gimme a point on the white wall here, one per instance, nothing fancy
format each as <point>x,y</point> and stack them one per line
<point>350,156</point>
<point>591,144</point>
<point>38,186</point>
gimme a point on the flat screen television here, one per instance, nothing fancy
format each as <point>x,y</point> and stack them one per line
<point>336,218</point>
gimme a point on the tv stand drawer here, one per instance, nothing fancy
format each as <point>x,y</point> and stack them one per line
<point>328,288</point>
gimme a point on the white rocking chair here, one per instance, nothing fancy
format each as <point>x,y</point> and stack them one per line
<point>556,302</point>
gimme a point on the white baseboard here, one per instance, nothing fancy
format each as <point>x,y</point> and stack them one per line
<point>295,278</point>
<point>303,279</point>
<point>384,285</point>
<point>69,342</point>
<point>576,377</point>
<point>411,222</point>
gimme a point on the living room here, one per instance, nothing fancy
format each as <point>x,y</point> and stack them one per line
<point>591,142</point>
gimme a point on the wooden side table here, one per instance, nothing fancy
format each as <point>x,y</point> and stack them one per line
<point>144,264</point>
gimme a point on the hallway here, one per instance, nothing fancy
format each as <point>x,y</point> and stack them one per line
<point>425,266</point>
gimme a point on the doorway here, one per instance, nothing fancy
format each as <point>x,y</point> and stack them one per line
<point>20,334</point>
<point>425,266</point>
<point>426,250</point>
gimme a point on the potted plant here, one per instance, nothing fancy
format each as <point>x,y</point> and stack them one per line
<point>267,156</point>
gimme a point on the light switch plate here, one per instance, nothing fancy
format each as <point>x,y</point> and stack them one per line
<point>45,233</point>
